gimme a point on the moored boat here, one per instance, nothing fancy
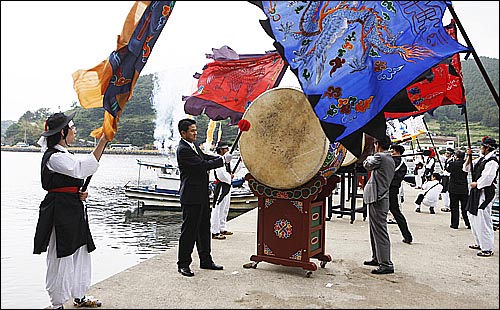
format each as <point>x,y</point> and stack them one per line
<point>164,195</point>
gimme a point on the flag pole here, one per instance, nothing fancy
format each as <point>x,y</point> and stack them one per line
<point>468,137</point>
<point>476,57</point>
<point>87,181</point>
<point>419,149</point>
<point>433,145</point>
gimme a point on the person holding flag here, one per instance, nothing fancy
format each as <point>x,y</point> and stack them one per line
<point>63,228</point>
<point>481,195</point>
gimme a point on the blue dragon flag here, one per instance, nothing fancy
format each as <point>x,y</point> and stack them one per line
<point>352,57</point>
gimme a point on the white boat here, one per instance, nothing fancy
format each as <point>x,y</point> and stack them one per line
<point>164,195</point>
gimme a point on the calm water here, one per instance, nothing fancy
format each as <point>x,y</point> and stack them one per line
<point>123,238</point>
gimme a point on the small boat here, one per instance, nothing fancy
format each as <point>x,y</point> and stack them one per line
<point>164,195</point>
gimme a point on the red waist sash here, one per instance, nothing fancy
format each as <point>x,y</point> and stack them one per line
<point>67,189</point>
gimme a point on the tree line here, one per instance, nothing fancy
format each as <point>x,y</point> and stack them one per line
<point>137,122</point>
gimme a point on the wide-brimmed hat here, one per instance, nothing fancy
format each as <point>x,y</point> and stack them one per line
<point>56,122</point>
<point>222,145</point>
<point>490,142</point>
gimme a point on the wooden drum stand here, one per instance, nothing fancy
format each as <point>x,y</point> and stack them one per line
<point>291,225</point>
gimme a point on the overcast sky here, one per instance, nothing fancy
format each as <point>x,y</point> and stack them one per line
<point>44,42</point>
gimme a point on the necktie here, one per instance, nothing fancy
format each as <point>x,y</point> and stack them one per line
<point>194,149</point>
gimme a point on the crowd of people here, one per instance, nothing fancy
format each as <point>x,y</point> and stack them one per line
<point>381,194</point>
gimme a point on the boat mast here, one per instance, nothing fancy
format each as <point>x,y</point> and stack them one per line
<point>139,175</point>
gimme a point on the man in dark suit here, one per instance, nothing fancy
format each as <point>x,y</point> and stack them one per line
<point>459,189</point>
<point>194,166</point>
<point>399,174</point>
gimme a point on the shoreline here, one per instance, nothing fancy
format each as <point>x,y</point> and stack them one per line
<point>84,150</point>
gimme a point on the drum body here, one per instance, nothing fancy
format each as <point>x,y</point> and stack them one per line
<point>334,160</point>
<point>366,146</point>
<point>285,146</point>
<point>350,158</point>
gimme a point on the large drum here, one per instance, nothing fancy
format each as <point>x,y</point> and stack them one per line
<point>285,146</point>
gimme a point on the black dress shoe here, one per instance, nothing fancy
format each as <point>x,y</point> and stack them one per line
<point>406,241</point>
<point>212,266</point>
<point>383,270</point>
<point>370,262</point>
<point>454,227</point>
<point>185,271</point>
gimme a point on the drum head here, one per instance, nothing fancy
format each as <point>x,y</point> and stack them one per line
<point>285,145</point>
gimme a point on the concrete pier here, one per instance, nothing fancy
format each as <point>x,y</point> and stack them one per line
<point>437,271</point>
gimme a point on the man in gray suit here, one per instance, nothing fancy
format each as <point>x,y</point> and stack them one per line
<point>376,196</point>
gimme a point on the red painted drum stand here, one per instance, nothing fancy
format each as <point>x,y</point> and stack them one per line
<point>290,225</point>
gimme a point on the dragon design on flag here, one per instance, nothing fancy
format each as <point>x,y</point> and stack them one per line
<point>330,24</point>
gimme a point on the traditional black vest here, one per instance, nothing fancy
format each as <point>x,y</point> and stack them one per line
<point>475,193</point>
<point>64,211</point>
<point>50,179</point>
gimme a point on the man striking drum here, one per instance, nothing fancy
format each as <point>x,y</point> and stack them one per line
<point>194,196</point>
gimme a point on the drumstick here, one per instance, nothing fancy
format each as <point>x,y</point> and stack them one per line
<point>424,152</point>
<point>236,166</point>
<point>243,125</point>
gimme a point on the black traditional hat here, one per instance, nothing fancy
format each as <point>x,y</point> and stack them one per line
<point>56,122</point>
<point>489,142</point>
<point>450,150</point>
<point>221,145</point>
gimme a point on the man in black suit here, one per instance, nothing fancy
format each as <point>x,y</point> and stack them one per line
<point>399,174</point>
<point>459,189</point>
<point>194,166</point>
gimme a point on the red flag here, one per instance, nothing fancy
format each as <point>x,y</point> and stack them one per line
<point>110,84</point>
<point>229,84</point>
<point>445,87</point>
